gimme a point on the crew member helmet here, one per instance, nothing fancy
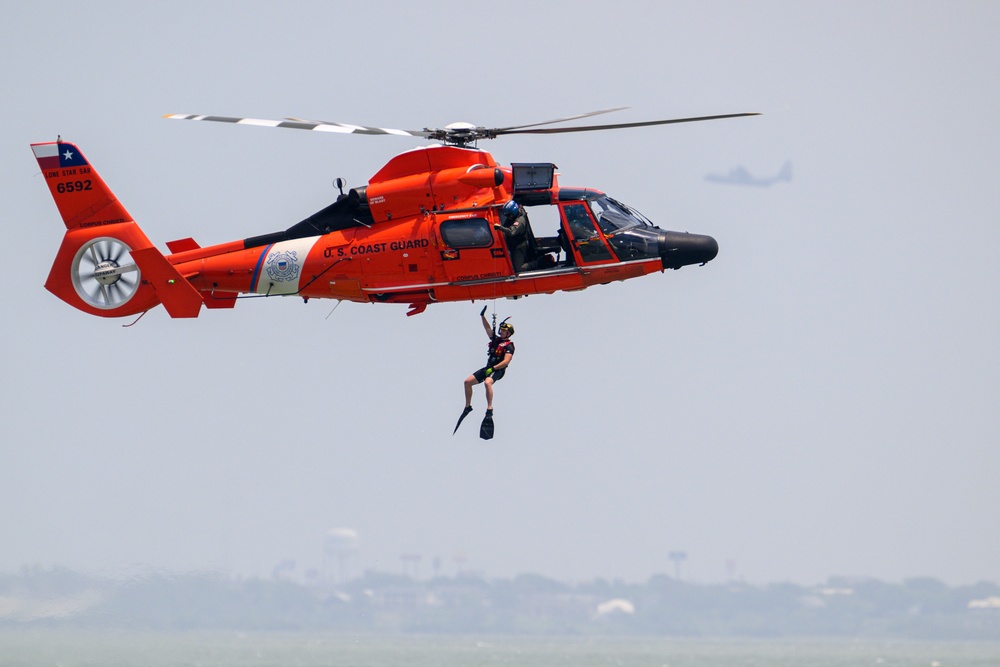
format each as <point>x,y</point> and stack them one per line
<point>507,326</point>
<point>510,209</point>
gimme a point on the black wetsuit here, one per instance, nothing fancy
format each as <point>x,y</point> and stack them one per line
<point>498,349</point>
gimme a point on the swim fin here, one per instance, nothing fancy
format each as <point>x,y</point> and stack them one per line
<point>465,413</point>
<point>486,430</point>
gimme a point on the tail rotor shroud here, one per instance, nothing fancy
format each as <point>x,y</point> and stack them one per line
<point>104,274</point>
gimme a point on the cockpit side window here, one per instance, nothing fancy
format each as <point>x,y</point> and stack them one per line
<point>581,225</point>
<point>583,233</point>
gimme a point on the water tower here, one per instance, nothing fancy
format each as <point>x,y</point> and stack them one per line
<point>411,561</point>
<point>339,546</point>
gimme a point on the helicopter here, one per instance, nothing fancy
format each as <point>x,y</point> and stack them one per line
<point>740,176</point>
<point>425,229</point>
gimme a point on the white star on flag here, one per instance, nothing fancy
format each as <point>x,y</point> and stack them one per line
<point>68,155</point>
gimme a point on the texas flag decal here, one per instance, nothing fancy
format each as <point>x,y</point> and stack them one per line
<point>57,155</point>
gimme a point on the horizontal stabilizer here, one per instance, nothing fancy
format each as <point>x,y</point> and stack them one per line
<point>182,245</point>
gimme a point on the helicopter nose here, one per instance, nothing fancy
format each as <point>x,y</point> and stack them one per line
<point>679,249</point>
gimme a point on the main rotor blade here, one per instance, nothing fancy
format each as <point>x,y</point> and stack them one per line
<point>459,134</point>
<point>618,126</point>
<point>428,132</point>
<point>301,124</point>
<point>559,120</point>
<point>329,125</point>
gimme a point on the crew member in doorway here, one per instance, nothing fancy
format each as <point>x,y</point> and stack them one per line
<point>514,226</point>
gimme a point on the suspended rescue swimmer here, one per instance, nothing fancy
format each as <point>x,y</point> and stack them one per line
<point>500,352</point>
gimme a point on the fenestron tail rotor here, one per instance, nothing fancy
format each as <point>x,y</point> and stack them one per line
<point>456,134</point>
<point>104,274</point>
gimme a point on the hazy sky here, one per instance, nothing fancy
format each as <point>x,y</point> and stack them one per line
<point>822,399</point>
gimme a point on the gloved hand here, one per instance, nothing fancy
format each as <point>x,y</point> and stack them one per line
<point>496,225</point>
<point>482,313</point>
<point>489,371</point>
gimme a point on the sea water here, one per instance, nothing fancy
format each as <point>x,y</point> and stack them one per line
<point>63,648</point>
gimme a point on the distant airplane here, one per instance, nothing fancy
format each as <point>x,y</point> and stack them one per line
<point>740,176</point>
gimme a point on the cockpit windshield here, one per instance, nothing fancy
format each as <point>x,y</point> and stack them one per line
<point>613,216</point>
<point>630,234</point>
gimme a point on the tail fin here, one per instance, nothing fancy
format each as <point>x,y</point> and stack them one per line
<point>106,266</point>
<point>786,172</point>
<point>81,196</point>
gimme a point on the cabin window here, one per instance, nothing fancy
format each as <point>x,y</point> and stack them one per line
<point>467,233</point>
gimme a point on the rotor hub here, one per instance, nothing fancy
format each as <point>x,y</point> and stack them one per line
<point>107,273</point>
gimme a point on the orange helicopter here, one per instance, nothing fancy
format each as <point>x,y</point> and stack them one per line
<point>425,229</point>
